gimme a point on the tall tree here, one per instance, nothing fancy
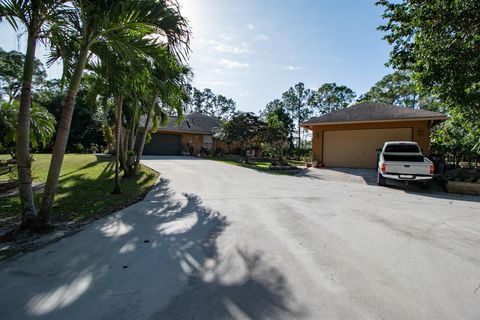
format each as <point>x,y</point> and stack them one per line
<point>37,17</point>
<point>85,131</point>
<point>244,127</point>
<point>128,27</point>
<point>398,88</point>
<point>275,135</point>
<point>168,89</point>
<point>438,42</point>
<point>209,103</point>
<point>331,97</point>
<point>296,102</point>
<point>277,109</point>
<point>11,71</point>
<point>459,136</point>
<point>113,77</point>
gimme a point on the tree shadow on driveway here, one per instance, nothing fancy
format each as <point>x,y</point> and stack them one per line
<point>158,258</point>
<point>262,293</point>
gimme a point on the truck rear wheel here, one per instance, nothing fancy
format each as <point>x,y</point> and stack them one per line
<point>380,180</point>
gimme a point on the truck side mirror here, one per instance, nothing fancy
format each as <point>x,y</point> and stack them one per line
<point>379,149</point>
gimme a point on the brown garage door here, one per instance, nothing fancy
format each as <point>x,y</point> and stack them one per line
<point>163,144</point>
<point>357,148</point>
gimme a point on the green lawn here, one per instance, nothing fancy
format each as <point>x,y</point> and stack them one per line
<point>259,165</point>
<point>84,188</point>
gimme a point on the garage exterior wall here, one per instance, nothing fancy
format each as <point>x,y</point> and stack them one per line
<point>186,140</point>
<point>166,144</point>
<point>196,141</point>
<point>193,140</point>
<point>420,133</point>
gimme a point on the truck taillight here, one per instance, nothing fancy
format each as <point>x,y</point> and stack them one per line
<point>383,168</point>
<point>432,169</point>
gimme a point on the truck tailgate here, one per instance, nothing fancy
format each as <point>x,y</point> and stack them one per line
<point>407,168</point>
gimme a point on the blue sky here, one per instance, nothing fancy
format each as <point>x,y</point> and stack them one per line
<point>253,51</point>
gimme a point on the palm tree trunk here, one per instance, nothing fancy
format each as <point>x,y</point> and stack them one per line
<point>131,142</point>
<point>123,149</point>
<point>141,145</point>
<point>27,204</point>
<point>61,139</point>
<point>129,147</point>
<point>118,130</point>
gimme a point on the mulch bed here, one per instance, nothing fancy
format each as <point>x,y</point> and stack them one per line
<point>286,167</point>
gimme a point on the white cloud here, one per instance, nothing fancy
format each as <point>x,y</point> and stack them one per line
<point>232,64</point>
<point>261,37</point>
<point>226,37</point>
<point>292,68</point>
<point>225,47</point>
<point>221,83</point>
<point>206,59</point>
<point>251,26</point>
<point>209,84</point>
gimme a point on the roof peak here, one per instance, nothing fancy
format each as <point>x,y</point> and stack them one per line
<point>374,111</point>
<point>375,103</point>
<point>197,113</point>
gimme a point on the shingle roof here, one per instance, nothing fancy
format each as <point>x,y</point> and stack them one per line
<point>194,122</point>
<point>374,111</point>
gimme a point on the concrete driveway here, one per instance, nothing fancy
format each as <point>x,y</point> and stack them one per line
<point>215,241</point>
<point>349,175</point>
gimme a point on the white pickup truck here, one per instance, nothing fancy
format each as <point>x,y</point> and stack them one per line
<point>403,160</point>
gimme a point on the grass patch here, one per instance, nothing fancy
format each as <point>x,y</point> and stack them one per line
<point>296,162</point>
<point>84,189</point>
<point>262,165</point>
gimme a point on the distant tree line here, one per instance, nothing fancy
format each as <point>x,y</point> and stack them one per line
<point>207,102</point>
<point>48,97</point>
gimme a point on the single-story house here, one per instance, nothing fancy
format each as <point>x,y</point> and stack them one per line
<point>350,137</point>
<point>192,134</point>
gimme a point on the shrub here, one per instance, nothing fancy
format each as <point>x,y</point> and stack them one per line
<point>463,175</point>
<point>94,148</point>
<point>78,148</point>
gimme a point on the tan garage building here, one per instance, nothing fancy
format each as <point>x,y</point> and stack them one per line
<point>350,137</point>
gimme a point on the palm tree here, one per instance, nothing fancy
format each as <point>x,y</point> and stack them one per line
<point>41,123</point>
<point>36,16</point>
<point>168,89</point>
<point>115,79</point>
<point>108,22</point>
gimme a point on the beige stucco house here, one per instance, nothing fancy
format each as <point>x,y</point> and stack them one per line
<point>350,137</point>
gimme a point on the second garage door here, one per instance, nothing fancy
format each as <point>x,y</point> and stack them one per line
<point>164,144</point>
<point>357,148</point>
